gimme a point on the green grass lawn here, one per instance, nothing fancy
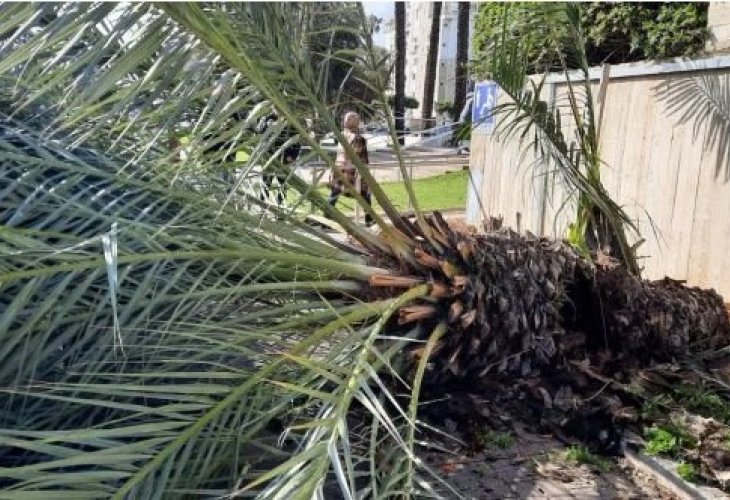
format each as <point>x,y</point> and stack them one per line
<point>441,192</point>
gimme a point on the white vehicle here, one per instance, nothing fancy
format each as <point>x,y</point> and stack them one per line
<point>329,141</point>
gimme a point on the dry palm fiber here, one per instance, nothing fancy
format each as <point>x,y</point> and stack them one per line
<point>532,324</point>
<point>515,304</point>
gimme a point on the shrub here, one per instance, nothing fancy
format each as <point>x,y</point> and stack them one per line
<point>614,32</point>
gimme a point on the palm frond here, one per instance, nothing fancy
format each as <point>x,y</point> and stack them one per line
<point>190,304</point>
<point>246,56</point>
<point>140,87</point>
<point>539,125</point>
<point>157,328</point>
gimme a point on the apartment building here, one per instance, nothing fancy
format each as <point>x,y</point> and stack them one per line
<point>418,31</point>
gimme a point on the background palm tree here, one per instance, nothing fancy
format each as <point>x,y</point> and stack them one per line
<point>399,108</point>
<point>462,57</point>
<point>429,83</point>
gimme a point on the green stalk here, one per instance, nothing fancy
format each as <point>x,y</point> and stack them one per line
<point>433,339</point>
<point>246,253</point>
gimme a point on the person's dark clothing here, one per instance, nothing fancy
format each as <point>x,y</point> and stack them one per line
<point>346,171</point>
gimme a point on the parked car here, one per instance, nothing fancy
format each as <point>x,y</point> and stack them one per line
<point>376,128</point>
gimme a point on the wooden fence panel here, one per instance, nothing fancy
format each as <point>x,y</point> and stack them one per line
<point>657,166</point>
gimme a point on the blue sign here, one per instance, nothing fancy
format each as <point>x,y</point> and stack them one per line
<point>482,110</point>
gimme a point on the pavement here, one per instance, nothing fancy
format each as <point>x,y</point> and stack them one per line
<point>534,467</point>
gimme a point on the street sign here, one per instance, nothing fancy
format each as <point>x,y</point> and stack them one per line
<point>482,112</point>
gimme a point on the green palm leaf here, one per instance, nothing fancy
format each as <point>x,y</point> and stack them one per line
<point>156,327</point>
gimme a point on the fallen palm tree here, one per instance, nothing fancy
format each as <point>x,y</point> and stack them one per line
<point>532,329</point>
<point>158,340</point>
<point>516,304</point>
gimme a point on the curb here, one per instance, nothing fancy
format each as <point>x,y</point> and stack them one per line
<point>662,471</point>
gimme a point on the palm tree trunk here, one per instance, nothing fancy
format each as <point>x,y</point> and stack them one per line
<point>526,303</point>
<point>400,68</point>
<point>462,57</point>
<point>433,50</point>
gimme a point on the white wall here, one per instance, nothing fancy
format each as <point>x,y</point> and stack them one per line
<point>718,21</point>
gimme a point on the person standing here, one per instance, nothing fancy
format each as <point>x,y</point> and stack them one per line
<point>344,168</point>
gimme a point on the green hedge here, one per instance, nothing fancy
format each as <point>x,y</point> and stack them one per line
<point>614,32</point>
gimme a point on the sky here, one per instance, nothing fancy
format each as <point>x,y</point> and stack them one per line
<point>384,10</point>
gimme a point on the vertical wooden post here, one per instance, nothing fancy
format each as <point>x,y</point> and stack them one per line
<point>546,179</point>
<point>602,91</point>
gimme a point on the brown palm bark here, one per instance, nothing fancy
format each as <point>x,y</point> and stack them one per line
<point>520,306</point>
<point>462,57</point>
<point>400,68</point>
<point>429,84</point>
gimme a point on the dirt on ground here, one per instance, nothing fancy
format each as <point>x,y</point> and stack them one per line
<point>536,467</point>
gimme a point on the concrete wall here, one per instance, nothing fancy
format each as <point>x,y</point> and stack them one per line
<point>661,166</point>
<point>718,22</point>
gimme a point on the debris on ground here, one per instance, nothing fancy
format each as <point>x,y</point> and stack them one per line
<point>538,467</point>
